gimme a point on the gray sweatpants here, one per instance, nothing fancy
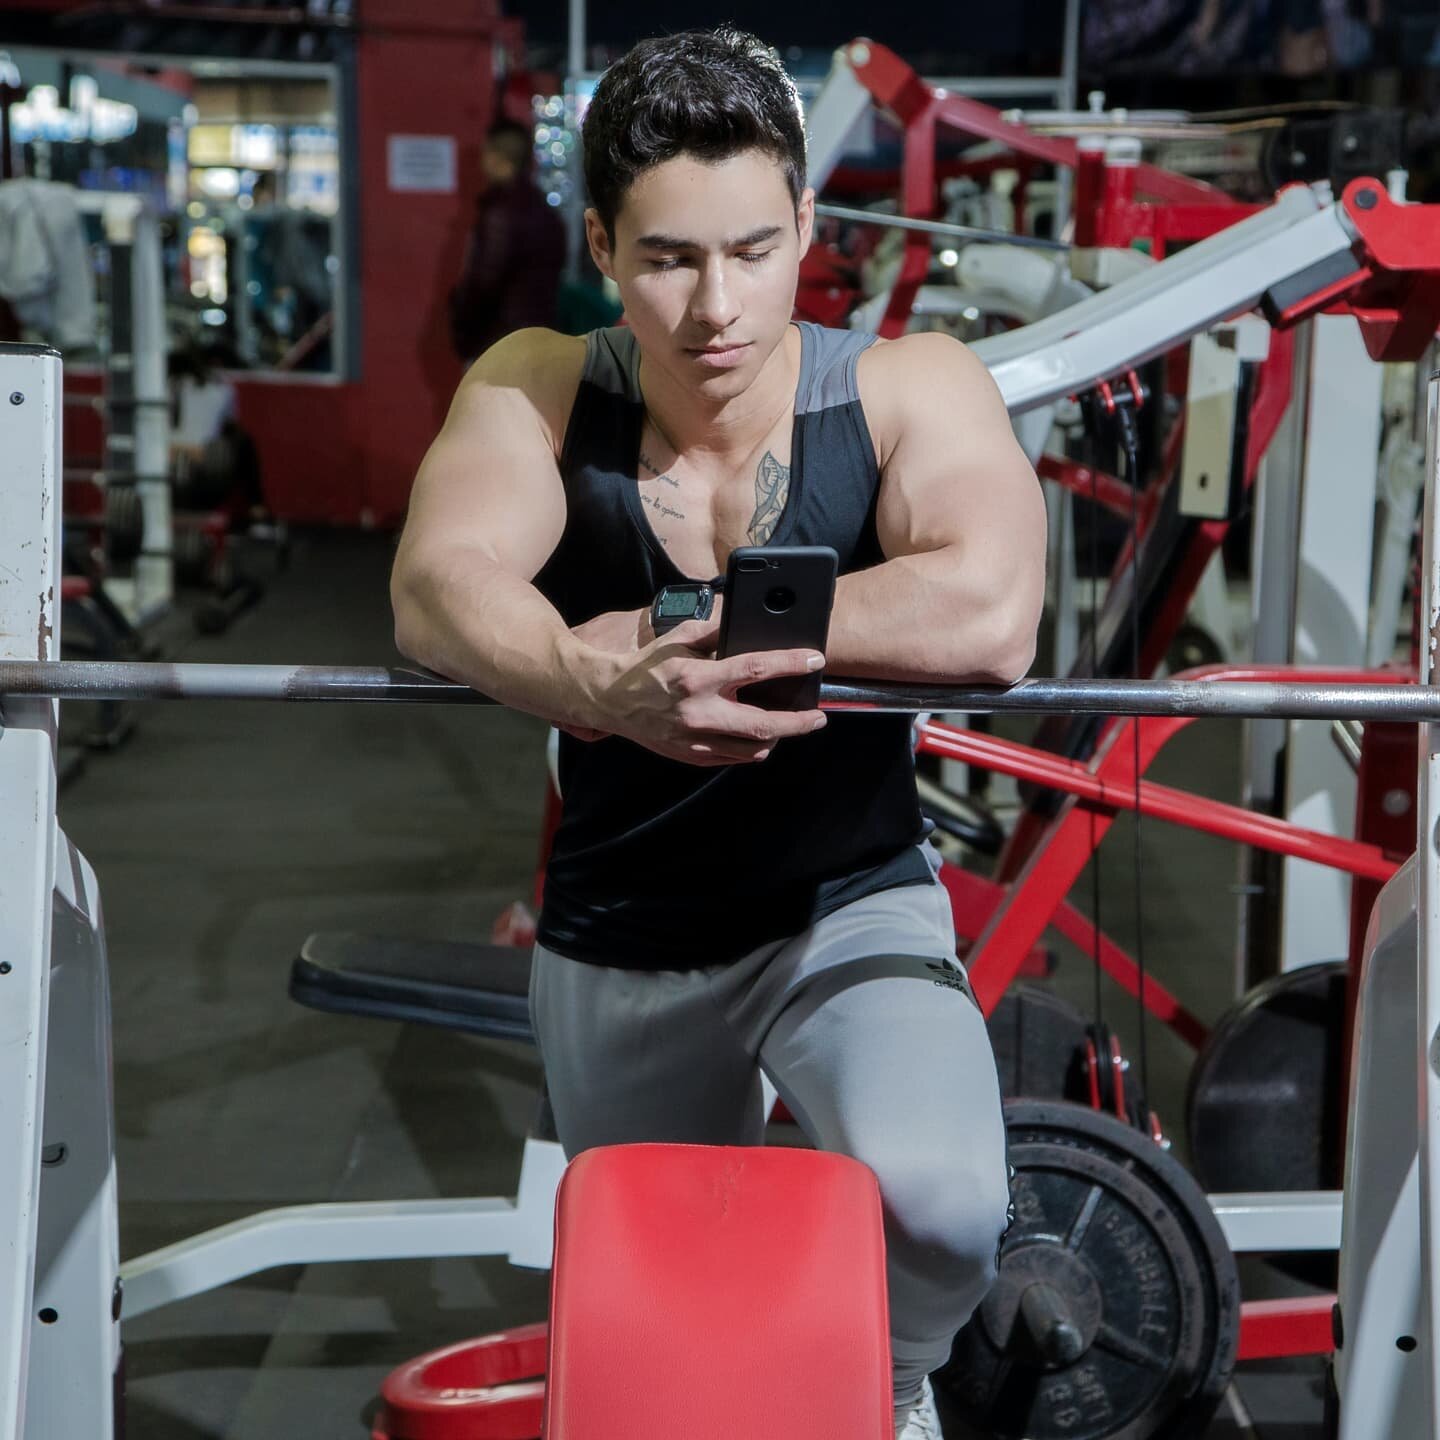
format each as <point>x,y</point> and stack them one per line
<point>865,1025</point>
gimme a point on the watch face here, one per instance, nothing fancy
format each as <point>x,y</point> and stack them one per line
<point>677,604</point>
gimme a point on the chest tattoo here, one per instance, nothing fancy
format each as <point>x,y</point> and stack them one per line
<point>659,510</point>
<point>772,489</point>
<point>648,464</point>
<point>659,503</point>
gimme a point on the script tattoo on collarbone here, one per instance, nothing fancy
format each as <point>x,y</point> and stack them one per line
<point>655,470</point>
<point>656,504</point>
<point>772,489</point>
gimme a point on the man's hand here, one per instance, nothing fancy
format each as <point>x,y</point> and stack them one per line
<point>622,632</point>
<point>674,698</point>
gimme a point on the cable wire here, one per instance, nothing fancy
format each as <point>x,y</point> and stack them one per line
<point>1095,513</point>
<point>1130,443</point>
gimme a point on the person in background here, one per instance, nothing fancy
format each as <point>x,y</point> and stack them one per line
<point>515,253</point>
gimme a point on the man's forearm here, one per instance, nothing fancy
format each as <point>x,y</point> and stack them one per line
<point>921,618</point>
<point>469,619</point>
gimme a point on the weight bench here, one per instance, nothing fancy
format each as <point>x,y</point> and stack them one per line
<point>738,1262</point>
<point>480,989</point>
<point>717,1292</point>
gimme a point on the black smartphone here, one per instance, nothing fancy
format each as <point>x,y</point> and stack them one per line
<point>779,598</point>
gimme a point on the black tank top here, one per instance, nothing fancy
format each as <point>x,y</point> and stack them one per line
<point>661,865</point>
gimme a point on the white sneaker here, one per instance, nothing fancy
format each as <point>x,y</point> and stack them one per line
<point>923,1422</point>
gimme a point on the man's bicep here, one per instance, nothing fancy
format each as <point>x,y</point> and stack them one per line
<point>955,473</point>
<point>489,484</point>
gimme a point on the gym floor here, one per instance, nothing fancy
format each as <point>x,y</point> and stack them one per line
<point>222,835</point>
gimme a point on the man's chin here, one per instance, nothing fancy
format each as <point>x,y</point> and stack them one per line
<point>707,379</point>
<point>723,387</point>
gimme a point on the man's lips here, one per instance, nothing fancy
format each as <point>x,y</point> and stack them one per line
<point>719,354</point>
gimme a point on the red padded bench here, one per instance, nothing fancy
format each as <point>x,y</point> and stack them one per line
<point>718,1293</point>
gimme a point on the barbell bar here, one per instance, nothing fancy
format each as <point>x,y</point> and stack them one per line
<point>938,227</point>
<point>1241,699</point>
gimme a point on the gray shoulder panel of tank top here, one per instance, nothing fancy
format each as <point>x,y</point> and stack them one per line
<point>612,361</point>
<point>827,367</point>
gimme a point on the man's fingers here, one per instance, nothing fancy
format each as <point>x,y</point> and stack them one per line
<point>765,727</point>
<point>740,670</point>
<point>723,750</point>
<point>749,722</point>
<point>702,636</point>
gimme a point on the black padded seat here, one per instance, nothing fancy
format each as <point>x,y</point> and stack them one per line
<point>482,989</point>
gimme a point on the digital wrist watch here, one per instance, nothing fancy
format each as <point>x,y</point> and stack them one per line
<point>686,600</point>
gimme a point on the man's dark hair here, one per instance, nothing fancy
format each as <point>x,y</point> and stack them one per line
<point>514,141</point>
<point>707,93</point>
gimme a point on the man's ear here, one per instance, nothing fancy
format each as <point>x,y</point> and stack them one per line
<point>598,239</point>
<point>805,219</point>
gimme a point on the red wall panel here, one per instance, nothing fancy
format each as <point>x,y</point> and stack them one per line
<point>311,445</point>
<point>348,454</point>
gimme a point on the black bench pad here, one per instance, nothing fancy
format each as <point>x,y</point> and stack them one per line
<point>482,989</point>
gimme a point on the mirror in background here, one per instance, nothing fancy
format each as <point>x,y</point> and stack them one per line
<point>239,168</point>
<point>263,194</point>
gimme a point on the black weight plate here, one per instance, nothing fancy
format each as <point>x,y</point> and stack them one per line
<point>124,522</point>
<point>190,551</point>
<point>1034,1034</point>
<point>1263,1105</point>
<point>1122,1235</point>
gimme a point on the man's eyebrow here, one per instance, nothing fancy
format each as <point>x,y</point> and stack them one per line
<point>755,237</point>
<point>676,242</point>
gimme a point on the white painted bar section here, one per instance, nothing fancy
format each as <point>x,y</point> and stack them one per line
<point>1427,865</point>
<point>1272,1224</point>
<point>29,630</point>
<point>1332,618</point>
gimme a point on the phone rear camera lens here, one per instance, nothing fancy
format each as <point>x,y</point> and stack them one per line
<point>779,599</point>
<point>752,566</point>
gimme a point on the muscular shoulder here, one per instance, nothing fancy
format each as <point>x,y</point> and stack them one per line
<point>535,368</point>
<point>907,382</point>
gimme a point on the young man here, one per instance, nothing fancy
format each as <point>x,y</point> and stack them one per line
<point>734,890</point>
